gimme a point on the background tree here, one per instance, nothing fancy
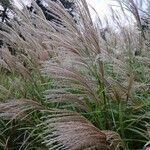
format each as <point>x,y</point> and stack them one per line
<point>6,4</point>
<point>69,6</point>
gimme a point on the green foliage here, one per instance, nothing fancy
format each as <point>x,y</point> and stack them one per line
<point>15,86</point>
<point>5,3</point>
<point>67,5</point>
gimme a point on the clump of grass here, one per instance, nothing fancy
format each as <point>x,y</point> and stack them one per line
<point>98,99</point>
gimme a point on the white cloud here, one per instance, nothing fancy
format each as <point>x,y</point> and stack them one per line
<point>19,3</point>
<point>101,6</point>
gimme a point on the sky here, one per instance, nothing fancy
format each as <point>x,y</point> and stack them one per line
<point>101,6</point>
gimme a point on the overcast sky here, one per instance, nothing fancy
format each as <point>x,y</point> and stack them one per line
<point>101,6</point>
